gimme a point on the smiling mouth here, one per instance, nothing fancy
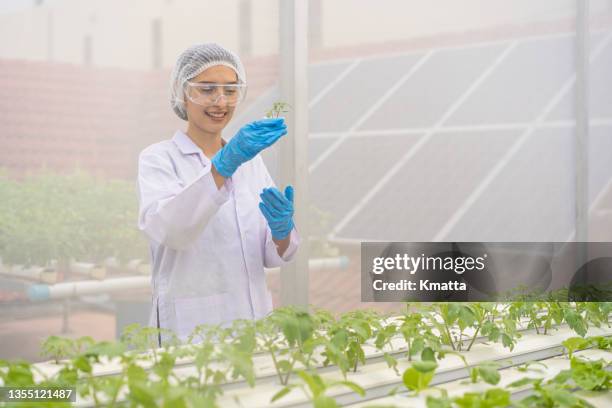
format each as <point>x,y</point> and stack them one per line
<point>216,115</point>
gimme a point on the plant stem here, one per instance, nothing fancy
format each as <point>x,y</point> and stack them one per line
<point>278,373</point>
<point>116,394</point>
<point>450,339</point>
<point>474,338</point>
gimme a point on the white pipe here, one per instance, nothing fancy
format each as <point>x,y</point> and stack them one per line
<point>72,289</point>
<point>64,290</point>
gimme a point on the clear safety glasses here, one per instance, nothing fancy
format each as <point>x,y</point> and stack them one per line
<point>211,94</point>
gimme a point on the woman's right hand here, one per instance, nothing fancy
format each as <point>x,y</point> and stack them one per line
<point>251,139</point>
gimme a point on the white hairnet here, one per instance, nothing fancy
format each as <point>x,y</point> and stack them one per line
<point>192,62</point>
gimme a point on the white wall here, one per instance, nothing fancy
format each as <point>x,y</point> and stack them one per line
<point>122,30</point>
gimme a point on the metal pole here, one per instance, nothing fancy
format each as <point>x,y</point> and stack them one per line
<point>245,36</point>
<point>293,159</point>
<point>582,119</point>
<point>582,128</point>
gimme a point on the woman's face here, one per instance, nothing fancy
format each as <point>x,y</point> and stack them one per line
<point>197,115</point>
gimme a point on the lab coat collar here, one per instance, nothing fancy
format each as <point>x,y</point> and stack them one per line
<point>186,145</point>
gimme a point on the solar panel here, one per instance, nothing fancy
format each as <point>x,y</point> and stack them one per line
<point>424,97</point>
<point>403,172</point>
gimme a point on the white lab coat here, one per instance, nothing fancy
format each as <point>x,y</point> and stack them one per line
<point>208,245</point>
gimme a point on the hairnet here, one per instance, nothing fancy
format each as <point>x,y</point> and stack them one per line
<point>192,62</point>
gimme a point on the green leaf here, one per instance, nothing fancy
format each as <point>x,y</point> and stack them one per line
<point>489,373</point>
<point>507,341</point>
<point>524,381</point>
<point>563,398</point>
<point>281,393</point>
<point>576,322</point>
<point>434,402</point>
<point>416,380</point>
<point>391,361</point>
<point>323,401</point>
<point>82,364</point>
<point>425,366</point>
<point>314,382</point>
<point>590,375</point>
<point>428,354</point>
<point>353,386</point>
<point>574,343</point>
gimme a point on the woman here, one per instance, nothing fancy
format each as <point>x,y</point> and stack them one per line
<point>210,235</point>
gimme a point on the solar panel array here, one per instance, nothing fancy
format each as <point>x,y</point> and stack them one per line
<point>466,143</point>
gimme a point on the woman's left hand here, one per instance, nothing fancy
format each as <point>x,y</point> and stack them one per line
<point>278,210</point>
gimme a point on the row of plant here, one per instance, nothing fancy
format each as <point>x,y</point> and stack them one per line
<point>48,217</point>
<point>559,391</point>
<point>297,343</point>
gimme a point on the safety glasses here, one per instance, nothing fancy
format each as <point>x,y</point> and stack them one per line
<point>212,94</point>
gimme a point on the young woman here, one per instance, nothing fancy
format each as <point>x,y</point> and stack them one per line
<point>211,212</point>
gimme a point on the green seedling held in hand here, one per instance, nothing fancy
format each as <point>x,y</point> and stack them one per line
<point>277,109</point>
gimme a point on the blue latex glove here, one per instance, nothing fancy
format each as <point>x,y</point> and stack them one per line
<point>250,140</point>
<point>278,210</point>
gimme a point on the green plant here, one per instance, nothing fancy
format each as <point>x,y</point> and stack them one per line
<point>277,109</point>
<point>346,337</point>
<point>418,376</point>
<point>63,347</point>
<point>487,372</point>
<point>588,375</point>
<point>314,388</point>
<point>553,393</point>
<point>220,355</point>
<point>295,339</point>
<point>483,318</point>
<point>288,335</point>
<point>541,316</point>
<point>93,386</point>
<point>491,398</point>
<point>49,216</point>
<point>532,366</point>
<point>575,343</point>
<point>417,333</point>
<point>544,315</point>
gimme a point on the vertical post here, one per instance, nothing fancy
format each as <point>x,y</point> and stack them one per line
<point>315,24</point>
<point>156,43</point>
<point>582,129</point>
<point>50,37</point>
<point>293,161</point>
<point>87,50</point>
<point>245,36</point>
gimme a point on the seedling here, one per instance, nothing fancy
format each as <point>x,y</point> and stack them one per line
<point>314,388</point>
<point>491,398</point>
<point>288,335</point>
<point>62,347</point>
<point>487,372</point>
<point>573,344</point>
<point>418,376</point>
<point>532,366</point>
<point>295,339</point>
<point>346,337</point>
<point>591,375</point>
<point>277,109</point>
<point>554,393</point>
